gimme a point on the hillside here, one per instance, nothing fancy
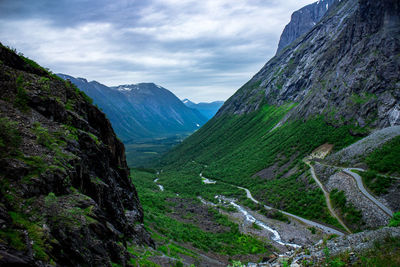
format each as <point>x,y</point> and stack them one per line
<point>208,110</point>
<point>334,85</point>
<point>66,196</point>
<point>141,111</point>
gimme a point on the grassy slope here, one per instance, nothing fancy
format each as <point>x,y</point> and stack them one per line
<point>383,161</point>
<point>235,147</point>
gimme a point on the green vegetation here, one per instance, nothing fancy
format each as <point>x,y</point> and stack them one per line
<point>235,147</point>
<point>44,83</point>
<point>21,99</point>
<point>384,253</point>
<point>386,159</point>
<point>148,153</point>
<point>71,132</point>
<point>42,135</point>
<point>69,105</point>
<point>382,163</point>
<point>156,209</point>
<point>35,233</point>
<point>33,64</point>
<point>348,211</point>
<point>378,184</point>
<point>10,137</point>
<point>361,99</point>
<point>395,220</point>
<point>95,138</point>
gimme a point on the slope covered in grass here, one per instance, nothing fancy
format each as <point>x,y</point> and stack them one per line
<point>232,148</point>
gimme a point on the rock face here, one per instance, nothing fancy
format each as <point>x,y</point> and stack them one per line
<point>346,69</point>
<point>141,111</point>
<point>355,153</point>
<point>66,195</point>
<point>354,243</point>
<point>303,20</point>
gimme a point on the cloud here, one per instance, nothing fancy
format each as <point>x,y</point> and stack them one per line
<point>202,50</point>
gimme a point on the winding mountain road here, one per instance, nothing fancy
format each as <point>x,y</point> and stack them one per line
<point>361,187</point>
<point>326,194</point>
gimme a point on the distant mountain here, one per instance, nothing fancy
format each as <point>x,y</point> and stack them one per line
<point>208,110</point>
<point>141,111</point>
<point>303,20</point>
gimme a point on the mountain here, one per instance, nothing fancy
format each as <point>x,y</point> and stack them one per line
<point>334,70</point>
<point>66,195</point>
<point>333,86</point>
<point>208,110</point>
<point>303,20</point>
<point>141,111</point>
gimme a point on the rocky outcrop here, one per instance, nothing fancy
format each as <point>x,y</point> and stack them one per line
<point>345,68</point>
<point>356,153</point>
<point>303,20</point>
<point>66,195</point>
<point>352,244</point>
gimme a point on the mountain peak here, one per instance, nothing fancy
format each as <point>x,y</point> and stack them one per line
<point>187,102</point>
<point>137,87</point>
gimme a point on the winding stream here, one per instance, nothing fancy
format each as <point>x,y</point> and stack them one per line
<point>250,219</point>
<point>275,235</point>
<point>159,186</point>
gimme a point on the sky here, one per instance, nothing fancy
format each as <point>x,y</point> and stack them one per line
<point>201,50</point>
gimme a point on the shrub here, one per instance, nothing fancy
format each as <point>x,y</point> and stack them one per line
<point>10,138</point>
<point>21,99</point>
<point>395,221</point>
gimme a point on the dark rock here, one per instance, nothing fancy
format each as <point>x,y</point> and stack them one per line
<point>66,195</point>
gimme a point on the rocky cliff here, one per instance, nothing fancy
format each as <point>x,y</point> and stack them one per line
<point>66,195</point>
<point>303,20</point>
<point>346,68</point>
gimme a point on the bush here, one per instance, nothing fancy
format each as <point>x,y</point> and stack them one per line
<point>349,212</point>
<point>395,221</point>
<point>10,137</point>
<point>21,99</point>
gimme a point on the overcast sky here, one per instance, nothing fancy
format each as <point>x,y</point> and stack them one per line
<point>202,50</point>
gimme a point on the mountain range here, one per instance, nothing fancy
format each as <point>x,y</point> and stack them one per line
<point>141,111</point>
<point>206,109</point>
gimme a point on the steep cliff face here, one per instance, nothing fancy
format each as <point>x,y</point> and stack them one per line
<point>66,196</point>
<point>346,68</point>
<point>303,20</point>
